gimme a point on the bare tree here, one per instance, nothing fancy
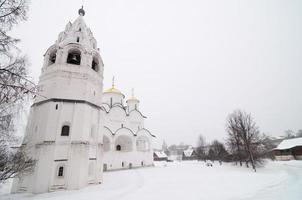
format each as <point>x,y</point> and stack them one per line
<point>201,148</point>
<point>15,87</point>
<point>234,142</point>
<point>288,134</point>
<point>242,125</point>
<point>219,151</point>
<point>299,133</point>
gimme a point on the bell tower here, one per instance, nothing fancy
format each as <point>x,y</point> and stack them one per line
<point>63,133</point>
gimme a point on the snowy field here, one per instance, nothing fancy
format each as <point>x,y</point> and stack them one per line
<point>189,181</point>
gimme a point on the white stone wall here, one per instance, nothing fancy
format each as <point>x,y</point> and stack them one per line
<point>132,104</point>
<point>71,95</point>
<point>68,94</point>
<point>75,152</point>
<point>138,150</point>
<point>113,99</point>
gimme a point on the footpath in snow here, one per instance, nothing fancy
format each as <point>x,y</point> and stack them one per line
<point>189,180</point>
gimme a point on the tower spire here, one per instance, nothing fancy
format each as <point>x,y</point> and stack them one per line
<point>113,82</point>
<point>132,93</point>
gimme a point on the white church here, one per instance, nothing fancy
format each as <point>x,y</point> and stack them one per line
<point>76,131</point>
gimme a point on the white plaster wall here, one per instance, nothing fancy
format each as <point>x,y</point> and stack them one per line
<point>114,159</point>
<point>77,149</point>
<point>43,137</point>
<point>69,81</point>
<point>117,98</point>
<point>132,104</point>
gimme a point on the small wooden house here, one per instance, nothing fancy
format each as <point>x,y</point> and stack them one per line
<point>159,156</point>
<point>290,149</point>
<point>189,154</point>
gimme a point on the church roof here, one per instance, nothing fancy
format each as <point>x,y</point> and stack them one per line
<point>160,154</point>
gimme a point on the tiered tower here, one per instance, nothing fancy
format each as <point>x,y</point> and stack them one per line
<point>63,131</point>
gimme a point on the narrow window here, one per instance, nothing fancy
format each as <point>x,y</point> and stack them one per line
<point>142,163</point>
<point>65,131</point>
<point>118,147</point>
<point>92,131</point>
<point>57,106</point>
<point>95,65</point>
<point>61,171</point>
<point>78,39</point>
<point>80,29</point>
<point>52,57</point>
<point>123,164</point>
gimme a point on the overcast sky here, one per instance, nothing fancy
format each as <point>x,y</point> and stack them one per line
<point>191,62</point>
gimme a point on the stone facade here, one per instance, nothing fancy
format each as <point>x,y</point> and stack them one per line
<point>127,144</point>
<point>71,132</point>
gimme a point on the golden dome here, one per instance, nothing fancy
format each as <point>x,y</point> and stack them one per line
<point>113,90</point>
<point>132,98</point>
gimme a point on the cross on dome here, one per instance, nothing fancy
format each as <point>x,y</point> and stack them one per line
<point>132,93</point>
<point>113,89</point>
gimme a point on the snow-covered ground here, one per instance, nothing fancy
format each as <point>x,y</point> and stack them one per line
<point>190,180</point>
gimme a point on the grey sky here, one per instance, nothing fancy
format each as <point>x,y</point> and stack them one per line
<point>191,62</point>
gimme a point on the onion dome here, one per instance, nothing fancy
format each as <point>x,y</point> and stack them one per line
<point>132,98</point>
<point>112,90</point>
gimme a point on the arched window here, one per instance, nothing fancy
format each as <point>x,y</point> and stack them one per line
<point>78,39</point>
<point>65,130</point>
<point>118,147</point>
<point>74,57</point>
<point>104,167</point>
<point>52,57</point>
<point>80,29</point>
<point>95,64</point>
<point>61,171</point>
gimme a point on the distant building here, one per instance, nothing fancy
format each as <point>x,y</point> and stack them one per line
<point>290,149</point>
<point>160,156</point>
<point>189,154</point>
